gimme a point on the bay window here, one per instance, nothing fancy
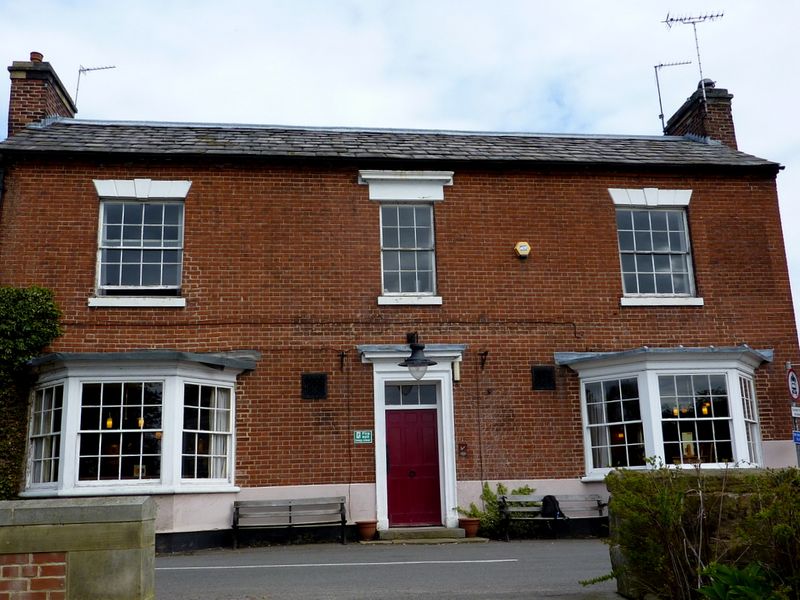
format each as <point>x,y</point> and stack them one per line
<point>679,406</point>
<point>150,421</point>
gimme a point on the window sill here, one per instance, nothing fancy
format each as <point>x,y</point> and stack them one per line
<point>409,300</point>
<point>135,490</point>
<point>660,301</point>
<point>137,302</point>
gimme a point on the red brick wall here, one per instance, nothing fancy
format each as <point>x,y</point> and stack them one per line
<point>37,576</point>
<point>285,259</point>
<point>711,117</point>
<point>35,95</point>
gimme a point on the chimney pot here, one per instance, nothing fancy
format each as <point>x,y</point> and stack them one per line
<point>706,83</point>
<point>36,57</point>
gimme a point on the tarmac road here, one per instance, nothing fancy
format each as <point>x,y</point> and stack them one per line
<point>502,570</point>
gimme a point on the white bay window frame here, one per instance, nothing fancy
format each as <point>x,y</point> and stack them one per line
<point>173,370</point>
<point>646,365</point>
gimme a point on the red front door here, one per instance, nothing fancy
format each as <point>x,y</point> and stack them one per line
<point>412,467</point>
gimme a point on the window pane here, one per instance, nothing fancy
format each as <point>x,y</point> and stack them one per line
<point>628,263</point>
<point>391,282</point>
<point>641,220</point>
<point>658,219</point>
<point>408,282</point>
<point>153,214</point>
<point>405,216</point>
<point>626,241</point>
<point>389,216</point>
<point>423,216</point>
<point>392,395</point>
<point>643,242</point>
<point>112,213</point>
<point>408,261</point>
<point>132,213</point>
<point>624,219</point>
<point>391,261</point>
<point>647,284</point>
<point>391,238</point>
<point>407,238</point>
<point>424,238</point>
<point>663,284</point>
<point>425,281</point>
<point>644,263</point>
<point>630,283</point>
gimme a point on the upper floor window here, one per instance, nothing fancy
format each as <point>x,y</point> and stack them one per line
<point>407,249</point>
<point>140,242</point>
<point>408,254</point>
<point>654,247</point>
<point>141,248</point>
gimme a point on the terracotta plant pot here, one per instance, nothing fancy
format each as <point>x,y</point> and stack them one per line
<point>469,525</point>
<point>367,530</point>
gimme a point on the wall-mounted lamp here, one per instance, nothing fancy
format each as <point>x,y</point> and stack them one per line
<point>484,355</point>
<point>140,422</point>
<point>417,363</point>
<point>109,422</point>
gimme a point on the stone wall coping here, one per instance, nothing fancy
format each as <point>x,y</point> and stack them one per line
<point>63,511</point>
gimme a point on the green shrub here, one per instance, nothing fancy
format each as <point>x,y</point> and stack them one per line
<point>491,524</point>
<point>672,525</point>
<point>29,323</point>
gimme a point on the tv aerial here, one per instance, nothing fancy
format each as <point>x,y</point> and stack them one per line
<point>82,71</point>
<point>657,68</point>
<point>693,21</point>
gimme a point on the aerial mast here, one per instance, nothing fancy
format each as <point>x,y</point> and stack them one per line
<point>693,21</point>
<point>82,70</point>
<point>657,68</point>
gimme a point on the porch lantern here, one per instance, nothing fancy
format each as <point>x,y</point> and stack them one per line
<point>417,363</point>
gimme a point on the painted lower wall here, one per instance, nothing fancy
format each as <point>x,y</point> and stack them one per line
<point>185,513</point>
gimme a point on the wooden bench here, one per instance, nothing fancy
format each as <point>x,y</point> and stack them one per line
<point>528,508</point>
<point>305,512</point>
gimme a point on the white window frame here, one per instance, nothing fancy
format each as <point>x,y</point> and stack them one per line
<point>173,374</point>
<point>408,187</point>
<point>136,190</point>
<point>665,199</point>
<point>646,367</point>
<point>55,437</point>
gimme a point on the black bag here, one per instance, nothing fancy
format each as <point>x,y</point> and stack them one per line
<point>551,509</point>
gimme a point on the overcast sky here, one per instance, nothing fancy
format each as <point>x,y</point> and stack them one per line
<point>501,65</point>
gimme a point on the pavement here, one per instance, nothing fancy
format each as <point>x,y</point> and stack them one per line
<point>513,570</point>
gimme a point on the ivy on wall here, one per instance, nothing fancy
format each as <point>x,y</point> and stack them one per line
<point>29,321</point>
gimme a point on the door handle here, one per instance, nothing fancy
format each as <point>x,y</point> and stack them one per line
<point>412,473</point>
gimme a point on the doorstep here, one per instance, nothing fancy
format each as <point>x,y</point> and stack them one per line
<point>425,535</point>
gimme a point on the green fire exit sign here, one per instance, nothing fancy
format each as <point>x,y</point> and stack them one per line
<point>362,437</point>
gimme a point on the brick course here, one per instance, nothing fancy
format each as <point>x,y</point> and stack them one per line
<point>33,576</point>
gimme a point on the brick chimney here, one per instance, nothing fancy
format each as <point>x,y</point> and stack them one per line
<point>36,93</point>
<point>710,118</point>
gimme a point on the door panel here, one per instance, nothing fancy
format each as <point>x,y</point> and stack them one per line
<point>412,470</point>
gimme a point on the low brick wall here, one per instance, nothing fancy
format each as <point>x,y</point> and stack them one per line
<point>40,575</point>
<point>77,548</point>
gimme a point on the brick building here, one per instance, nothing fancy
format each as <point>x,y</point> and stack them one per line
<point>237,300</point>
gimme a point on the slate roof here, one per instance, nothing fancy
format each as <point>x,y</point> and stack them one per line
<point>120,137</point>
